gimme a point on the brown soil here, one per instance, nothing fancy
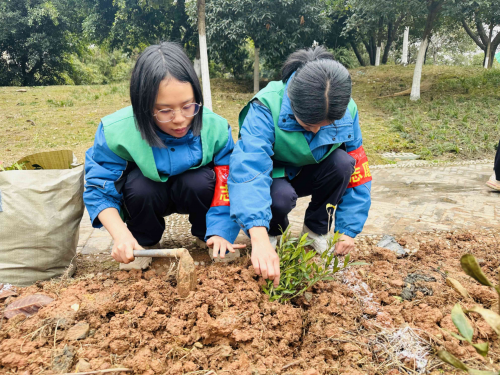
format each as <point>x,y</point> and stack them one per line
<point>138,321</point>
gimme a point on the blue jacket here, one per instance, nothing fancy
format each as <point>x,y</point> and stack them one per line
<point>103,169</point>
<point>251,166</point>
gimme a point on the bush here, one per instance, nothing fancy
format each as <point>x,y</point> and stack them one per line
<point>95,66</point>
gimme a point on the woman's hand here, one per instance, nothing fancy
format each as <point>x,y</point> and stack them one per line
<point>219,245</point>
<point>123,249</point>
<point>345,245</point>
<point>265,261</point>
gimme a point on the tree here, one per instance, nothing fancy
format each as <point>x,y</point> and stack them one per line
<point>434,8</point>
<point>276,27</point>
<point>376,21</point>
<point>205,76</point>
<point>475,15</point>
<point>35,37</point>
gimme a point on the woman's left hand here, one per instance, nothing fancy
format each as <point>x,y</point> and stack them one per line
<point>345,245</point>
<point>219,246</point>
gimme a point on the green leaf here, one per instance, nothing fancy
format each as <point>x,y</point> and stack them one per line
<point>346,260</point>
<point>450,359</point>
<point>460,320</point>
<point>481,348</point>
<point>458,337</point>
<point>491,317</point>
<point>471,268</point>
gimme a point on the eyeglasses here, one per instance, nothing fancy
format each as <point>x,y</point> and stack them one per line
<point>167,115</point>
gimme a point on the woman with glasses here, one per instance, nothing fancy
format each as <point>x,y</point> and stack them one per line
<point>300,137</point>
<point>163,154</point>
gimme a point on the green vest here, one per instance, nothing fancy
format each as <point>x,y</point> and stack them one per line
<point>290,148</point>
<point>125,140</point>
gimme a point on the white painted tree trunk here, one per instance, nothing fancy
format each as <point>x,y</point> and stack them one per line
<point>256,74</point>
<point>404,57</point>
<point>205,76</point>
<point>377,56</point>
<point>488,53</point>
<point>417,73</point>
<point>197,67</point>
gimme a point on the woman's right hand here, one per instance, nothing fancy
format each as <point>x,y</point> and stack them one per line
<point>265,261</point>
<point>123,249</point>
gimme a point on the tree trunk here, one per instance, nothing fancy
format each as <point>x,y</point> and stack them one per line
<point>434,8</point>
<point>371,49</point>
<point>427,49</point>
<point>417,74</point>
<point>390,38</point>
<point>404,58</point>
<point>357,53</point>
<point>205,76</point>
<point>377,56</point>
<point>256,74</point>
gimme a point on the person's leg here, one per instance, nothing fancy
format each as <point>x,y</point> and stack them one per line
<point>146,202</point>
<point>326,182</point>
<point>284,198</point>
<point>496,166</point>
<point>191,193</point>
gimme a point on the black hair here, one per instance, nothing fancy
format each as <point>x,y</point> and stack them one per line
<point>321,88</point>
<point>157,62</point>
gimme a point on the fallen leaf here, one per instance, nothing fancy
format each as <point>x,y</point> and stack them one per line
<point>458,287</point>
<point>27,306</point>
<point>7,293</point>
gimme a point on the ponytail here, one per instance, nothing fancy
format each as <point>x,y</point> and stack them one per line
<point>299,58</point>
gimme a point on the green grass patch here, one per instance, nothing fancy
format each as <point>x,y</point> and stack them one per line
<point>458,118</point>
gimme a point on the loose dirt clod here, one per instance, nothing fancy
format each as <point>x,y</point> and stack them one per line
<point>63,359</point>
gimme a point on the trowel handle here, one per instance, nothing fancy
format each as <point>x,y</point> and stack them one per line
<point>160,253</point>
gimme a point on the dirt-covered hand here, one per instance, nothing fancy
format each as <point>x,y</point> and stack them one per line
<point>265,261</point>
<point>219,245</point>
<point>123,249</point>
<point>345,245</point>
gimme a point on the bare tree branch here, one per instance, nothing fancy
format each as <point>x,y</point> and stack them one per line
<point>472,35</point>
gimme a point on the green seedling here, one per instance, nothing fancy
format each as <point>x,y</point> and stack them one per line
<point>471,268</point>
<point>299,270</point>
<point>13,167</point>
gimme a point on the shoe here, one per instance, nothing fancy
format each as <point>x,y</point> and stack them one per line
<point>274,241</point>
<point>493,183</point>
<point>319,241</point>
<point>228,257</point>
<point>139,263</point>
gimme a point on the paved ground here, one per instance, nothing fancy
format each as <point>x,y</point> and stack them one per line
<point>404,199</point>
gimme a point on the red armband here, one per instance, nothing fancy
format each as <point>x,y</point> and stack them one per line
<point>221,194</point>
<point>361,173</point>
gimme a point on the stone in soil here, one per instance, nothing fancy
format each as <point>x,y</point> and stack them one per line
<point>83,366</point>
<point>389,242</point>
<point>63,359</point>
<point>78,332</point>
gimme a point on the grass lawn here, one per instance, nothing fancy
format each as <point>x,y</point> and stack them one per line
<point>459,117</point>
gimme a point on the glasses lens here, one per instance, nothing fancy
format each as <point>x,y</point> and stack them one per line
<point>190,110</point>
<point>165,115</point>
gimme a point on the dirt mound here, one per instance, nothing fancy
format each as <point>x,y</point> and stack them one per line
<point>136,320</point>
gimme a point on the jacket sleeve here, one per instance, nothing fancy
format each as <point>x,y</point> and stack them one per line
<point>250,170</point>
<point>352,212</point>
<point>102,169</point>
<point>219,222</point>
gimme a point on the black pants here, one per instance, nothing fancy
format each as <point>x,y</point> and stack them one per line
<point>148,202</point>
<point>496,166</point>
<point>326,182</point>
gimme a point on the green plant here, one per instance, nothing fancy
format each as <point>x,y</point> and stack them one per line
<point>471,268</point>
<point>13,167</point>
<point>299,270</point>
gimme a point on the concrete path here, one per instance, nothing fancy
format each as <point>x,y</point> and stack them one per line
<point>405,198</point>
